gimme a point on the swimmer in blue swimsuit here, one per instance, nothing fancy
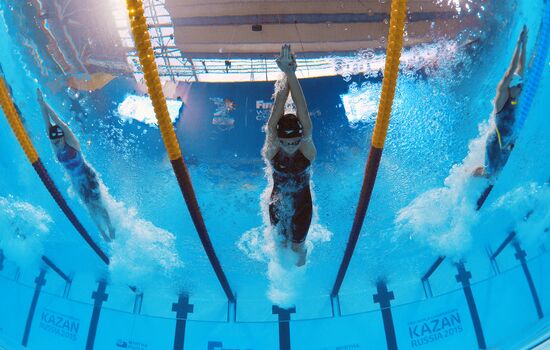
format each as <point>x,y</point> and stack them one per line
<point>502,137</point>
<point>83,177</point>
<point>289,150</point>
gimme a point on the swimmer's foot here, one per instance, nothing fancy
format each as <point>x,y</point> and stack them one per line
<point>301,251</point>
<point>112,233</point>
<point>105,237</point>
<point>301,259</point>
<point>480,172</point>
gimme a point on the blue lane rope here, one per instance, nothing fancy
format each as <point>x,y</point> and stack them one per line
<point>535,73</point>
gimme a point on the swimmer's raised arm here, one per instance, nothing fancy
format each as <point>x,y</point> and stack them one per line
<point>287,63</point>
<point>281,95</point>
<point>48,112</point>
<point>516,66</point>
<point>513,67</point>
<point>522,57</point>
<point>44,110</point>
<point>301,106</point>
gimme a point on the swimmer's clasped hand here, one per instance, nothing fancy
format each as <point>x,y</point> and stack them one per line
<point>286,61</point>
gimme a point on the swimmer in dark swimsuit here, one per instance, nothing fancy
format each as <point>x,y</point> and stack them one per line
<point>501,139</point>
<point>289,150</point>
<point>83,177</point>
<point>181,109</point>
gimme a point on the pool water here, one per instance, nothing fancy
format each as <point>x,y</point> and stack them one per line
<point>422,208</point>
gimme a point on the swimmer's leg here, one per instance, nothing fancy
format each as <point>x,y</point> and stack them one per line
<point>278,223</point>
<point>493,157</point>
<point>301,250</point>
<point>104,236</point>
<point>301,222</point>
<point>102,220</point>
<point>89,190</point>
<point>492,153</point>
<point>107,220</point>
<point>479,172</point>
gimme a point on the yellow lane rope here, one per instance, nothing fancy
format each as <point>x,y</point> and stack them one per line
<point>391,70</point>
<point>15,122</point>
<point>150,72</point>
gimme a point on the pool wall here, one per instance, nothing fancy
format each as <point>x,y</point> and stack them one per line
<point>491,313</point>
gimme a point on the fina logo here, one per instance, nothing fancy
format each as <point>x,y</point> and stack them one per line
<point>129,344</point>
<point>218,345</point>
<point>122,344</point>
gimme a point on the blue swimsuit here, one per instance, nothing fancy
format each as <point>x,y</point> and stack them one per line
<point>82,176</point>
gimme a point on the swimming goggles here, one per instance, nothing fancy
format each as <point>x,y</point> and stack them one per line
<point>291,143</point>
<point>55,132</point>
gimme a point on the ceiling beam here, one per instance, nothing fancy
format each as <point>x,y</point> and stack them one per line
<point>306,18</point>
<point>330,37</point>
<point>214,8</point>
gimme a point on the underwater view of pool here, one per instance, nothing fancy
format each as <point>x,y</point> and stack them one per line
<point>444,258</point>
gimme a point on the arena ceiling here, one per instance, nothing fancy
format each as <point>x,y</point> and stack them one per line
<point>253,27</point>
<point>228,40</point>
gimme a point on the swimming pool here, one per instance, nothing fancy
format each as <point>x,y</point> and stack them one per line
<point>159,290</point>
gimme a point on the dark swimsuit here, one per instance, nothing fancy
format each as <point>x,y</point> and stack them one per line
<point>82,176</point>
<point>290,206</point>
<point>496,155</point>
